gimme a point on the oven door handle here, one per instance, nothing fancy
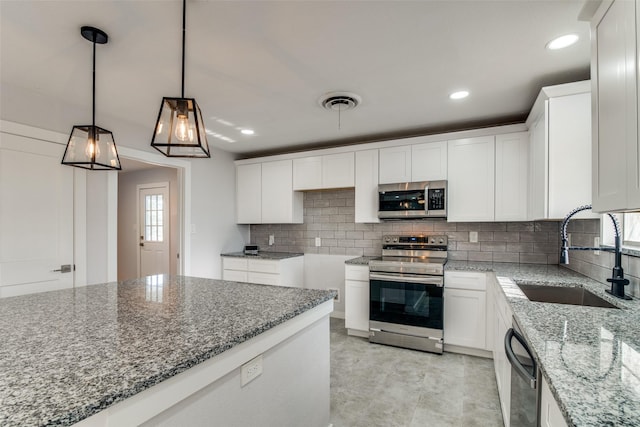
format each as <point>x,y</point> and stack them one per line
<point>428,280</point>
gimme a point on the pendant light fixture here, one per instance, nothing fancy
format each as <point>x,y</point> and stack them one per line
<point>89,146</point>
<point>180,131</point>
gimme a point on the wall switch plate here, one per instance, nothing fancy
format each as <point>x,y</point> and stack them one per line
<point>250,371</point>
<point>318,241</point>
<point>337,297</point>
<point>272,239</point>
<point>473,236</point>
<point>596,244</point>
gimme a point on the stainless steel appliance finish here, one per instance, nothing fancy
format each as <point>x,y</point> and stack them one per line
<point>406,291</point>
<point>424,199</point>
<point>525,393</point>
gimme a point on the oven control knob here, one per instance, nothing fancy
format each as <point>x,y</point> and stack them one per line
<point>442,241</point>
<point>387,239</point>
<point>433,240</point>
<point>395,240</point>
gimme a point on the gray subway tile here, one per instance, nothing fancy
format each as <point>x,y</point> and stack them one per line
<point>506,257</point>
<point>480,256</point>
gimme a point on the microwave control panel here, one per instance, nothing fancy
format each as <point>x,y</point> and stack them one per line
<point>436,199</point>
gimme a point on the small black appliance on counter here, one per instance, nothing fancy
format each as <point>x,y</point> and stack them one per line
<point>251,249</point>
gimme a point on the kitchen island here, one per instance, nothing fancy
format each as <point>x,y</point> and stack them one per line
<point>589,356</point>
<point>165,350</point>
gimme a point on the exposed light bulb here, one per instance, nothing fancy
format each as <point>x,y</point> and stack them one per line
<point>92,150</point>
<point>183,133</point>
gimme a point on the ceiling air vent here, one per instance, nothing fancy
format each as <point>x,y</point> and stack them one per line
<point>339,101</point>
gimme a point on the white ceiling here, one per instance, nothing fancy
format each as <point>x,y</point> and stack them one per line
<point>264,65</point>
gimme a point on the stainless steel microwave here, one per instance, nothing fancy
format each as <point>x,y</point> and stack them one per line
<point>425,199</point>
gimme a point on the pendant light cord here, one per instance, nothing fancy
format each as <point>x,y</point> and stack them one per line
<point>184,25</point>
<point>93,117</point>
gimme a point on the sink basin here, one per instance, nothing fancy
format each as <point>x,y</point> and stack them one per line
<point>564,295</point>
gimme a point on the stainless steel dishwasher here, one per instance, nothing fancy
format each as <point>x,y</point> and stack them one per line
<point>524,408</point>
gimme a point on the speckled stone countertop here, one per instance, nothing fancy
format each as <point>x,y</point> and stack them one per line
<point>66,355</point>
<point>590,356</point>
<point>363,260</point>
<point>264,255</point>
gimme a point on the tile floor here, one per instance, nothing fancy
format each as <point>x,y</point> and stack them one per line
<point>377,385</point>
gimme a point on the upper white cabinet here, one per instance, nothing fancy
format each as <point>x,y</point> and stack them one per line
<point>395,165</point>
<point>264,194</point>
<point>471,179</point>
<point>429,161</point>
<point>615,77</point>
<point>249,194</point>
<point>366,180</point>
<point>512,176</point>
<point>560,151</point>
<point>323,172</point>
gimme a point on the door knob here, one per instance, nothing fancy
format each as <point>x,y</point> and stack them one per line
<point>141,244</point>
<point>66,268</point>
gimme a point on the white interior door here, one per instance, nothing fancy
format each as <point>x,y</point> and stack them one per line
<point>154,229</point>
<point>36,217</point>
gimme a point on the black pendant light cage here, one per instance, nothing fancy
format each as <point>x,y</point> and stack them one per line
<point>90,146</point>
<point>179,130</point>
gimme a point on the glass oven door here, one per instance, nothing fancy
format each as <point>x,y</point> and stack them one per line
<point>406,299</point>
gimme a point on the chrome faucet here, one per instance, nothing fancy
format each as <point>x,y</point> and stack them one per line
<point>617,280</point>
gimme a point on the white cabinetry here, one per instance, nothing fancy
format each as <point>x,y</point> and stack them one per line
<point>395,164</point>
<point>512,176</point>
<point>264,194</point>
<point>465,309</point>
<point>502,323</point>
<point>560,151</point>
<point>471,175</point>
<point>366,182</point>
<point>356,299</point>
<point>283,272</point>
<point>550,413</point>
<point>429,161</point>
<point>323,172</point>
<point>615,74</point>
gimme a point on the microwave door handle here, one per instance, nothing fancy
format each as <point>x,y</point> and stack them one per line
<point>513,360</point>
<point>426,199</point>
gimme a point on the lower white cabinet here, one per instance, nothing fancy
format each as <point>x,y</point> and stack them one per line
<point>282,272</point>
<point>550,413</point>
<point>465,308</point>
<point>356,299</point>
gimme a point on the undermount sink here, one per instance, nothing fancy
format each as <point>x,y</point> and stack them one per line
<point>564,295</point>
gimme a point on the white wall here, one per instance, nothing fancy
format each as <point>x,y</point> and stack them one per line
<point>128,233</point>
<point>97,237</point>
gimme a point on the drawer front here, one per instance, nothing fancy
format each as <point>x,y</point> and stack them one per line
<point>234,275</point>
<point>234,263</point>
<point>356,272</point>
<point>264,266</point>
<point>465,280</point>
<point>263,278</point>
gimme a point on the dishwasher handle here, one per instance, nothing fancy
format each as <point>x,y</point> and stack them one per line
<point>513,359</point>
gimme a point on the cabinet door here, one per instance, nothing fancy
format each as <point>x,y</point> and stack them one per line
<point>356,298</point>
<point>280,204</point>
<point>569,154</point>
<point>550,413</point>
<point>615,139</point>
<point>234,275</point>
<point>307,173</point>
<point>338,170</point>
<point>429,161</point>
<point>471,179</point>
<point>366,182</point>
<point>249,194</point>
<point>465,318</point>
<point>512,176</point>
<point>395,164</point>
<point>538,167</point>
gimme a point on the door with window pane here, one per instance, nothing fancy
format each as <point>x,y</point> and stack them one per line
<point>154,229</point>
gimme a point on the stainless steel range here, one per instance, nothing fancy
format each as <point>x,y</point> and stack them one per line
<point>406,284</point>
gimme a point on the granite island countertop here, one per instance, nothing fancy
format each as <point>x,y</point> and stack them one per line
<point>69,354</point>
<point>589,356</point>
<point>264,255</point>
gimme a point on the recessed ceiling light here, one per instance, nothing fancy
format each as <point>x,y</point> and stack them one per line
<point>459,95</point>
<point>562,41</point>
<point>247,132</point>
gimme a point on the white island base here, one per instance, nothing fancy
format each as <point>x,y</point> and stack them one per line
<point>293,389</point>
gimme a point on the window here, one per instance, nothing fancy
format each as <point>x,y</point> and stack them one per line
<point>630,229</point>
<point>153,227</point>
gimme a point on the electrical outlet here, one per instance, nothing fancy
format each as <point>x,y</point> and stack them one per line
<point>473,236</point>
<point>318,241</point>
<point>272,239</point>
<point>596,244</point>
<point>250,371</point>
<point>337,297</point>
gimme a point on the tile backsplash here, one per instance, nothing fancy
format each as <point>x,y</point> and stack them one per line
<point>598,267</point>
<point>329,215</point>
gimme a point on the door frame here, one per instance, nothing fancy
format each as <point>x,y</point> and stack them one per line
<point>139,224</point>
<point>184,208</point>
